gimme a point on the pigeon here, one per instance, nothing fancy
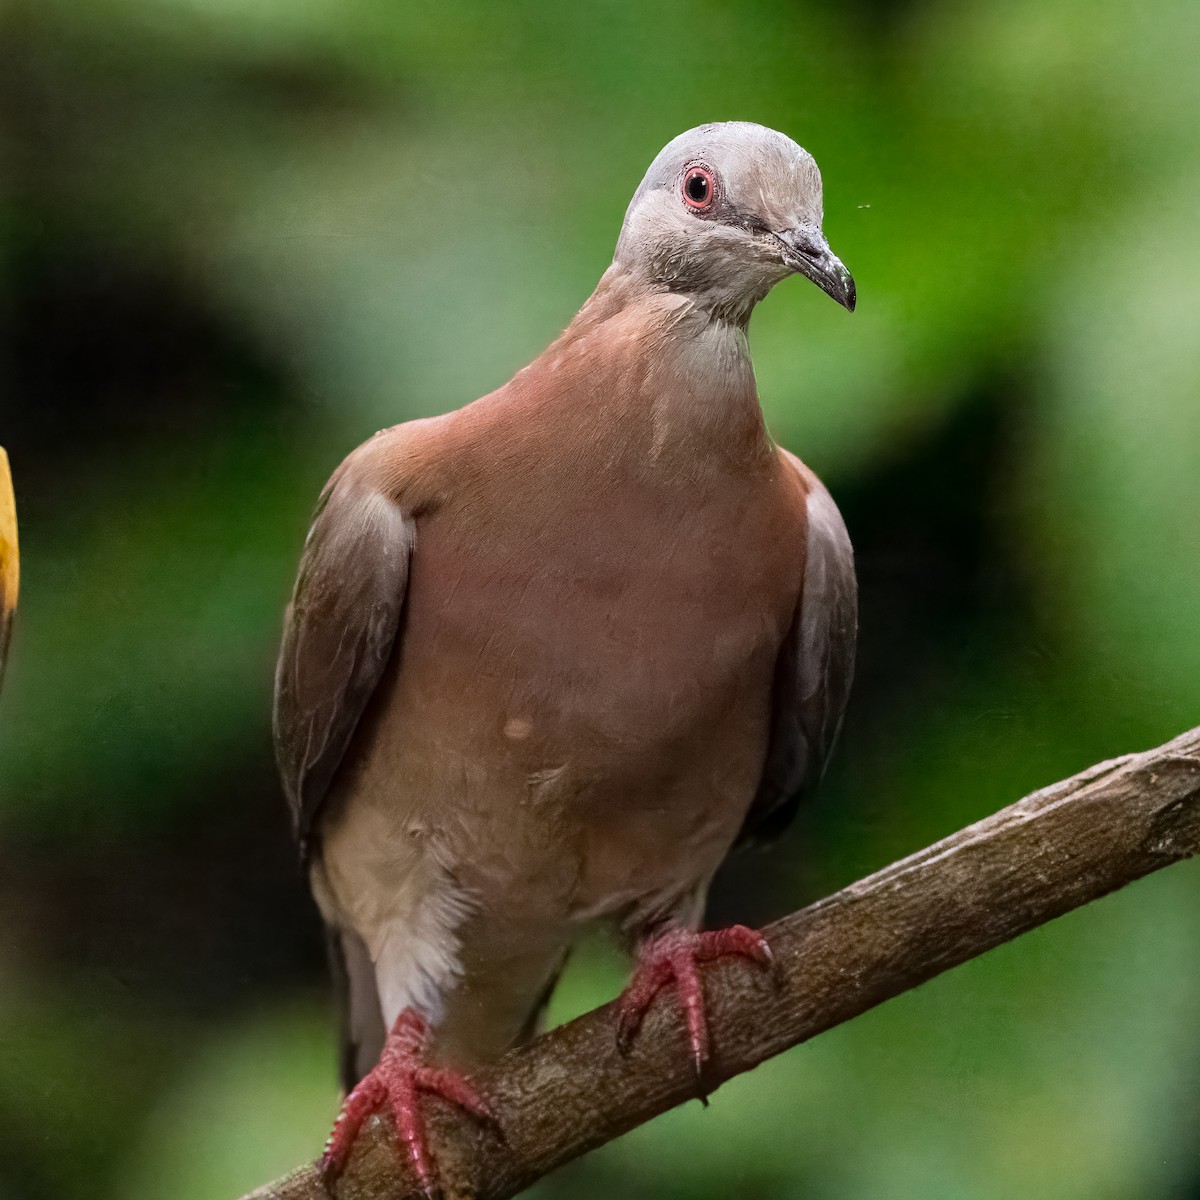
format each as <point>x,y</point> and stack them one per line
<point>550,657</point>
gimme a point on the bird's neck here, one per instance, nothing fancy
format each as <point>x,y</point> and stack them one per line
<point>681,372</point>
<point>623,287</point>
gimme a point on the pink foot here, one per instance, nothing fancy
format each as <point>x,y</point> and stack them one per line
<point>675,957</point>
<point>395,1083</point>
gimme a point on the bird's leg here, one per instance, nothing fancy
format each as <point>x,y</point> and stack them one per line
<point>674,957</point>
<point>396,1083</point>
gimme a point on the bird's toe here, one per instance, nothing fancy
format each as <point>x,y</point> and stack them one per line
<point>396,1084</point>
<point>674,958</point>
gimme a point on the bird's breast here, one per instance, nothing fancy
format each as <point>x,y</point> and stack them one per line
<point>581,694</point>
<point>623,624</point>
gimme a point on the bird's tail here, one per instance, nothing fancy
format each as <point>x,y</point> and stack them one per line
<point>360,1020</point>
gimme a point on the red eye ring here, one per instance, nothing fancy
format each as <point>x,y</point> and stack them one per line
<point>699,188</point>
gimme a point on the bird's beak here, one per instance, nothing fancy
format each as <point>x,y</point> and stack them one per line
<point>805,250</point>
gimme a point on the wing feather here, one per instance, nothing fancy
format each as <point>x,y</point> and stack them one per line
<point>339,633</point>
<point>814,669</point>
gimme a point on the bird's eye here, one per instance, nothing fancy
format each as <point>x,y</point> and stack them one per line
<point>698,188</point>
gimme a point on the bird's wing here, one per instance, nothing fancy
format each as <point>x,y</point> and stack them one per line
<point>339,633</point>
<point>814,669</point>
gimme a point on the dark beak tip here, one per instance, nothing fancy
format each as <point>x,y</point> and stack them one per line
<point>813,259</point>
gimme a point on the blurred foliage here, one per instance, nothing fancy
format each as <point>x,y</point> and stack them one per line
<point>236,237</point>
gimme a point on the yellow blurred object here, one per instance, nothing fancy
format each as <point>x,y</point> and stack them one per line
<point>10,572</point>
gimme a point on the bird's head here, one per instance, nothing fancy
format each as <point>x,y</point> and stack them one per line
<point>724,213</point>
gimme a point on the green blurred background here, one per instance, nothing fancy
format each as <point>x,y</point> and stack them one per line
<point>237,236</point>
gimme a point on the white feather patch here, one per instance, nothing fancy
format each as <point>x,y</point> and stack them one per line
<point>417,954</point>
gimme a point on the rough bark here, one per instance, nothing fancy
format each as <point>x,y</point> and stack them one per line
<point>571,1090</point>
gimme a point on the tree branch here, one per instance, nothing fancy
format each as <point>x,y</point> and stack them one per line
<point>571,1091</point>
